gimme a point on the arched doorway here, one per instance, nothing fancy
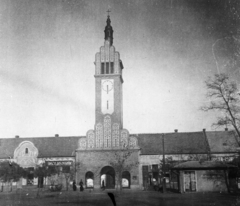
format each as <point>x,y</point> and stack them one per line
<point>107,177</point>
<point>89,177</point>
<point>126,179</point>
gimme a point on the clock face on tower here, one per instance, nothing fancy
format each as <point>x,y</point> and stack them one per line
<point>107,85</point>
<point>107,96</point>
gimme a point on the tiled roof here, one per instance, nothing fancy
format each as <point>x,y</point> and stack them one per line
<point>150,144</point>
<point>203,165</point>
<point>174,143</point>
<point>222,141</point>
<point>47,146</point>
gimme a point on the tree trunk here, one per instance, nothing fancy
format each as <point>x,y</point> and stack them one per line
<point>10,186</point>
<point>164,185</point>
<point>226,180</point>
<point>66,183</point>
<point>120,181</point>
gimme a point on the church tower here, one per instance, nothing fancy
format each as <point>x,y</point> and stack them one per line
<point>108,82</point>
<point>108,130</point>
<point>108,141</point>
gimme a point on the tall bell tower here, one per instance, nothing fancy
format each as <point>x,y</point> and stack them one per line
<point>108,92</point>
<point>108,132</point>
<point>108,80</point>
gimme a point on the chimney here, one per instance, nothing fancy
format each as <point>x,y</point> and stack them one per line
<point>56,135</point>
<point>175,130</point>
<point>16,136</point>
<point>204,130</point>
<point>226,129</point>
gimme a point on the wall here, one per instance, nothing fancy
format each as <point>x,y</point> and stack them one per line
<point>94,161</point>
<point>207,181</point>
<point>210,180</point>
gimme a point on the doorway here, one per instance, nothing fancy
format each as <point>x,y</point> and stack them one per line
<point>107,177</point>
<point>190,184</point>
<point>126,178</point>
<point>89,177</point>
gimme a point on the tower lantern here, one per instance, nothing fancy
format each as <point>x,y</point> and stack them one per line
<point>108,31</point>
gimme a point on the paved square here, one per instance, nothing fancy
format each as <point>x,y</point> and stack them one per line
<point>126,198</point>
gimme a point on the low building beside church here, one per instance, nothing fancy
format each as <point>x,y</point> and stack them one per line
<point>32,152</point>
<point>195,176</point>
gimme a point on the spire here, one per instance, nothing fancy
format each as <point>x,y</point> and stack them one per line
<point>108,30</point>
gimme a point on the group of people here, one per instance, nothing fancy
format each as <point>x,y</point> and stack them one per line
<point>80,184</point>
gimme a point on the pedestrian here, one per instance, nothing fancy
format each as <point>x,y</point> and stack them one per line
<point>155,185</point>
<point>74,185</point>
<point>103,185</point>
<point>81,185</point>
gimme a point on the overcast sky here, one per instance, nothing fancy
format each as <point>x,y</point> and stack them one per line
<point>47,50</point>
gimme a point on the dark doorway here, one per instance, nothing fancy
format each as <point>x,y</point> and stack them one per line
<point>40,182</point>
<point>107,177</point>
<point>126,179</point>
<point>30,176</point>
<point>89,177</point>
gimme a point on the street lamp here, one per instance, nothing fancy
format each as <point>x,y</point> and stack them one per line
<point>10,161</point>
<point>163,166</point>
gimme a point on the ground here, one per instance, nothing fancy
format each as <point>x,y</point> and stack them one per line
<point>126,198</point>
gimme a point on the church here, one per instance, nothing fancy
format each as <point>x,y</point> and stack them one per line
<point>91,156</point>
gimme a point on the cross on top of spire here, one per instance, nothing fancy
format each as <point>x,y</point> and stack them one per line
<point>108,11</point>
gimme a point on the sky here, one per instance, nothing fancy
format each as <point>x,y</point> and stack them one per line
<point>168,49</point>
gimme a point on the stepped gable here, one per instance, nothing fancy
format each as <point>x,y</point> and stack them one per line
<point>47,146</point>
<point>175,143</point>
<point>222,141</point>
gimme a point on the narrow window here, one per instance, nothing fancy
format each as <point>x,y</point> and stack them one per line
<point>112,67</point>
<point>107,68</point>
<point>107,104</point>
<point>26,151</point>
<point>102,68</point>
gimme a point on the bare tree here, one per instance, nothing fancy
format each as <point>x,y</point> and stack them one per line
<point>70,173</point>
<point>122,160</point>
<point>42,172</point>
<point>224,98</point>
<point>11,172</point>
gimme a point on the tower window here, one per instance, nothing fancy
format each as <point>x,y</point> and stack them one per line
<point>112,67</point>
<point>107,68</point>
<point>26,150</point>
<point>102,68</point>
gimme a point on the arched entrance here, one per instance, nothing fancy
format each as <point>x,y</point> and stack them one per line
<point>107,177</point>
<point>126,179</point>
<point>89,177</point>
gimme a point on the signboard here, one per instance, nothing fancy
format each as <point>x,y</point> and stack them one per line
<point>59,163</point>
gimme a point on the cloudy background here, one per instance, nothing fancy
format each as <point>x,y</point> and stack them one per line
<point>168,49</point>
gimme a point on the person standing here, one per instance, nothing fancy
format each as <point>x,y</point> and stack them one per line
<point>81,185</point>
<point>103,185</point>
<point>74,186</point>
